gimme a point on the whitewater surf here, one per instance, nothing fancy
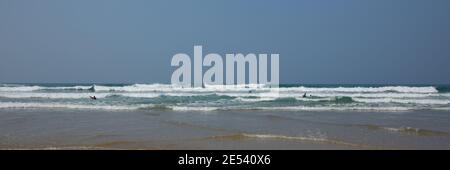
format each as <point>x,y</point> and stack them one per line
<point>220,97</point>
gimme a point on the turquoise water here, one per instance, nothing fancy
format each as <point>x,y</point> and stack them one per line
<point>287,97</point>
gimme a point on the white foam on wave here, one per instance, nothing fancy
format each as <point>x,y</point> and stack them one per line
<point>404,101</point>
<point>379,95</point>
<point>270,136</point>
<point>401,89</point>
<point>296,108</point>
<point>332,95</point>
<point>36,88</point>
<point>388,98</point>
<point>266,96</point>
<point>321,139</point>
<point>246,88</point>
<point>255,99</point>
<point>227,88</point>
<point>52,95</point>
<point>186,108</point>
<point>17,105</point>
<point>21,88</point>
<point>68,88</point>
<point>140,95</point>
<point>174,88</point>
<point>336,108</point>
<point>44,95</point>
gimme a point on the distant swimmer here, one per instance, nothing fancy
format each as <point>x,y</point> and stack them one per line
<point>304,95</point>
<point>93,97</point>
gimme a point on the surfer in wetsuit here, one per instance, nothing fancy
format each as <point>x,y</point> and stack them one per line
<point>93,97</point>
<point>304,95</point>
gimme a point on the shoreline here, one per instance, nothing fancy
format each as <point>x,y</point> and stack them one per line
<point>67,129</point>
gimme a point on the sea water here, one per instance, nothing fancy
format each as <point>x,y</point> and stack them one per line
<point>160,116</point>
<point>215,97</point>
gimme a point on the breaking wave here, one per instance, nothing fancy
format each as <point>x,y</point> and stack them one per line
<point>310,138</point>
<point>218,97</point>
<point>168,87</point>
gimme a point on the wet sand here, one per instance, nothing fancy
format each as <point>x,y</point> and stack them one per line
<point>165,129</point>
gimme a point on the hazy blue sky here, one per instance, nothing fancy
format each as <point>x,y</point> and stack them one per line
<point>319,41</point>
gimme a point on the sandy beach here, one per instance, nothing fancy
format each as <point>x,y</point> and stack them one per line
<point>88,129</point>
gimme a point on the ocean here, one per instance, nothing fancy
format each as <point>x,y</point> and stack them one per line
<point>210,98</point>
<point>160,116</point>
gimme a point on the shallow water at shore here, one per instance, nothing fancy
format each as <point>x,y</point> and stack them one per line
<point>138,129</point>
